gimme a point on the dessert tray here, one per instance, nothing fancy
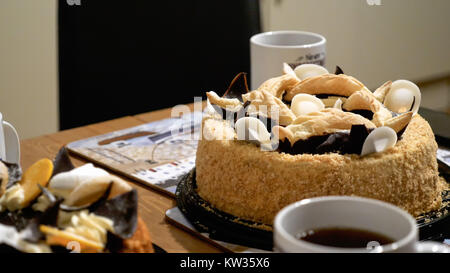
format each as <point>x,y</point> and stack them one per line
<point>53,206</point>
<point>197,216</point>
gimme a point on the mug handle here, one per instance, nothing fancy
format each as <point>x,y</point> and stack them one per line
<point>431,247</point>
<point>12,143</point>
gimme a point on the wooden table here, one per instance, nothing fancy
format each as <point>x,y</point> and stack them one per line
<point>152,204</point>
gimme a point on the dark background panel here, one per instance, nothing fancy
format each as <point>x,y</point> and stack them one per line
<point>121,58</point>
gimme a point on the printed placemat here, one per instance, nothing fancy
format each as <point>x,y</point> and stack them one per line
<point>156,153</point>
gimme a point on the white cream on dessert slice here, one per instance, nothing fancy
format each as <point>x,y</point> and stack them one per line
<point>64,183</point>
<point>87,225</point>
<point>81,186</point>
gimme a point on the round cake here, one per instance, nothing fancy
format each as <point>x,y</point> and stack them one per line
<point>349,143</point>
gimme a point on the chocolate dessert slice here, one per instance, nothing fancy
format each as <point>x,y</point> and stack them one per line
<point>55,207</point>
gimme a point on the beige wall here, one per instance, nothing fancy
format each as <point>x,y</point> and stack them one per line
<point>28,65</point>
<point>398,39</point>
<point>407,39</point>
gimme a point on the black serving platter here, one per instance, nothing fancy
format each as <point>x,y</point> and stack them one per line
<point>228,228</point>
<point>218,224</point>
<point>158,249</point>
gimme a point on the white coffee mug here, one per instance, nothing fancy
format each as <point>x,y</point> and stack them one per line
<point>9,142</point>
<point>349,212</point>
<point>269,50</point>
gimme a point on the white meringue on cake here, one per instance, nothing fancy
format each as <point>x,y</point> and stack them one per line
<point>303,104</point>
<point>403,96</point>
<point>304,71</point>
<point>379,140</point>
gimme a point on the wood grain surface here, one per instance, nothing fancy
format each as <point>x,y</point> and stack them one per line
<point>152,204</point>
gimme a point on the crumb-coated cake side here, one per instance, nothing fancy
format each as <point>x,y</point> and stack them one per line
<point>239,178</point>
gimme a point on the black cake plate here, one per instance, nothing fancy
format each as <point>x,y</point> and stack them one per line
<point>221,226</point>
<point>158,249</point>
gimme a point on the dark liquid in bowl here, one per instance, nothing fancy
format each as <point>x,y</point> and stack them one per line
<point>344,237</point>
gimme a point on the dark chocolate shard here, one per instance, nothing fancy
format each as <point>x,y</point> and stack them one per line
<point>49,217</point>
<point>363,112</point>
<point>288,103</point>
<point>122,210</point>
<point>62,162</point>
<point>294,65</point>
<point>334,143</point>
<point>246,104</point>
<point>324,96</point>
<point>48,194</point>
<point>400,133</point>
<point>338,70</point>
<point>346,142</point>
<point>19,219</point>
<point>28,220</point>
<point>234,116</point>
<point>307,146</point>
<point>113,242</point>
<point>358,134</point>
<point>284,146</point>
<point>413,102</point>
<point>14,173</point>
<point>237,88</point>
